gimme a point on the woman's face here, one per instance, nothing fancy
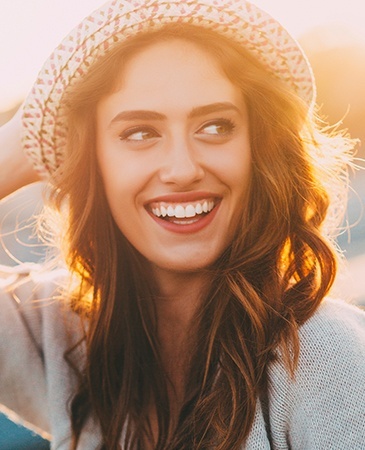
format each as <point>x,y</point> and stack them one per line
<point>174,153</point>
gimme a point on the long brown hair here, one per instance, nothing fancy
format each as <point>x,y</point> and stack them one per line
<point>269,280</point>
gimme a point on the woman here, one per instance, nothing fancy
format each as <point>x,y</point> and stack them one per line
<point>188,173</point>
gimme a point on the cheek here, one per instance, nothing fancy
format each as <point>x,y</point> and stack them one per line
<point>235,170</point>
<point>122,199</point>
<point>123,185</point>
<point>118,171</point>
<point>118,185</point>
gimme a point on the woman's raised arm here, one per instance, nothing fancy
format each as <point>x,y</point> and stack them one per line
<point>15,169</point>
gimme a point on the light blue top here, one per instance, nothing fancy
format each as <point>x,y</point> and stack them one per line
<point>322,408</point>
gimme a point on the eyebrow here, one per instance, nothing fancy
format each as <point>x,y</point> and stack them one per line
<point>141,114</point>
<point>214,107</point>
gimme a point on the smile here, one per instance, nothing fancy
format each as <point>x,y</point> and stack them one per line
<point>184,215</point>
<point>181,211</point>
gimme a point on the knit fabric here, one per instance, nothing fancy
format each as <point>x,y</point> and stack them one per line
<point>323,407</point>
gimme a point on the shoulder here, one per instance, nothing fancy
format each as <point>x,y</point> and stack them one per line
<point>332,343</point>
<point>37,329</point>
<point>335,326</point>
<point>332,352</point>
<point>323,405</point>
<point>32,297</point>
<point>32,276</point>
<point>337,314</point>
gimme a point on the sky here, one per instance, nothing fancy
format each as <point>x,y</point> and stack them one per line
<point>31,29</point>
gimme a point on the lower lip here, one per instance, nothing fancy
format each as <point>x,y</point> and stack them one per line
<point>188,228</point>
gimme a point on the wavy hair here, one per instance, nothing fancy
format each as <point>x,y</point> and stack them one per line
<point>269,281</point>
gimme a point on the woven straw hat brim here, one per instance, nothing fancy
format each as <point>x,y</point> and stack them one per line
<point>45,132</point>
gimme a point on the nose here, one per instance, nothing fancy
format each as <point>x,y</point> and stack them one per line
<point>181,164</point>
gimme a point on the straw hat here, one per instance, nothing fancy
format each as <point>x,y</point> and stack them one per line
<point>44,128</point>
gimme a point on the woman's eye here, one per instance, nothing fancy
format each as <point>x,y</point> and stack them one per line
<point>138,134</point>
<point>217,128</point>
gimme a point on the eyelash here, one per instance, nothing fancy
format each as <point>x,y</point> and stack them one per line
<point>125,136</point>
<point>222,122</point>
<point>228,123</point>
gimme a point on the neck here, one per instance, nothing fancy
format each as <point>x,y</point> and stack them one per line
<point>179,297</point>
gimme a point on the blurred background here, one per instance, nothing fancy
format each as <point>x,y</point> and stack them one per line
<point>331,33</point>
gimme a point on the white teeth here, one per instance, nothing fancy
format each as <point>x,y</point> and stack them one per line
<point>198,208</point>
<point>163,211</point>
<point>181,212</point>
<point>170,211</point>
<point>190,211</point>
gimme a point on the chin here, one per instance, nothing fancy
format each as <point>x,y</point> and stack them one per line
<point>189,265</point>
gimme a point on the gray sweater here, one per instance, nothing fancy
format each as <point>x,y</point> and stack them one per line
<point>322,408</point>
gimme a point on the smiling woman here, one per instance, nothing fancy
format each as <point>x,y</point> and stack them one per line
<point>190,148</point>
<point>187,170</point>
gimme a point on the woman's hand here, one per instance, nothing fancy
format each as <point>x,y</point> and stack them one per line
<point>15,169</point>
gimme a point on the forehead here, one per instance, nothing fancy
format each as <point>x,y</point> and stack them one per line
<point>172,73</point>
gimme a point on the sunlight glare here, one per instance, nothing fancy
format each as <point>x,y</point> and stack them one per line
<point>29,31</point>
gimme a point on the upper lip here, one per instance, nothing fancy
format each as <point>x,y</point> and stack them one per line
<point>184,197</point>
